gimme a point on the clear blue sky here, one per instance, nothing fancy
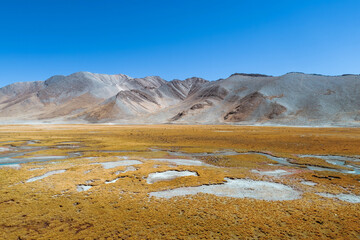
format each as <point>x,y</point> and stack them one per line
<point>177,38</point>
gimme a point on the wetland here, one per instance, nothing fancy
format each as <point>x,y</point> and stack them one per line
<point>178,182</point>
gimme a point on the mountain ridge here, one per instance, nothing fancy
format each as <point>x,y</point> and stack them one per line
<point>292,99</point>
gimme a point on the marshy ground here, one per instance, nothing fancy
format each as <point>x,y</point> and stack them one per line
<point>179,182</point>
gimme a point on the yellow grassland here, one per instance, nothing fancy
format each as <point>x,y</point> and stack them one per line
<point>52,208</point>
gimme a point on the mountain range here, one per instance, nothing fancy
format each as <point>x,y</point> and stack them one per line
<point>293,99</point>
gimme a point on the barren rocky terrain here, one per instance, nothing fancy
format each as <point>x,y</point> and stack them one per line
<point>292,99</point>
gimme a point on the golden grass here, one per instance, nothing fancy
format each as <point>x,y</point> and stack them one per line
<point>52,208</point>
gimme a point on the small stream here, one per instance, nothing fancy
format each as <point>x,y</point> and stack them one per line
<point>9,158</point>
<point>15,157</point>
<point>339,161</point>
<point>332,159</point>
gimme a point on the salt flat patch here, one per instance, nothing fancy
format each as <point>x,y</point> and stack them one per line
<point>274,173</point>
<point>127,169</point>
<point>168,175</point>
<point>3,149</point>
<point>83,187</point>
<point>309,183</point>
<point>315,168</point>
<point>41,158</point>
<point>237,188</point>
<point>342,196</point>
<point>45,175</point>
<point>15,166</point>
<point>184,162</point>
<point>11,160</point>
<point>109,165</point>
<point>111,181</point>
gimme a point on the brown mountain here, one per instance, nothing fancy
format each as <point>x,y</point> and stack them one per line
<point>83,97</point>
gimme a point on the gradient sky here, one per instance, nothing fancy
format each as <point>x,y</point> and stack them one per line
<point>177,38</point>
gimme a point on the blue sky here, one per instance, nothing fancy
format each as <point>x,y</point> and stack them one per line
<point>177,38</point>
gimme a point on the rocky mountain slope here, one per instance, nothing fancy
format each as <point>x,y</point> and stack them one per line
<point>83,97</point>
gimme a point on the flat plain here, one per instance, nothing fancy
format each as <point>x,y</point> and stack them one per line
<point>178,182</point>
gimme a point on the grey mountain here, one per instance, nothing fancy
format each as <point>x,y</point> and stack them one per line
<point>83,97</point>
